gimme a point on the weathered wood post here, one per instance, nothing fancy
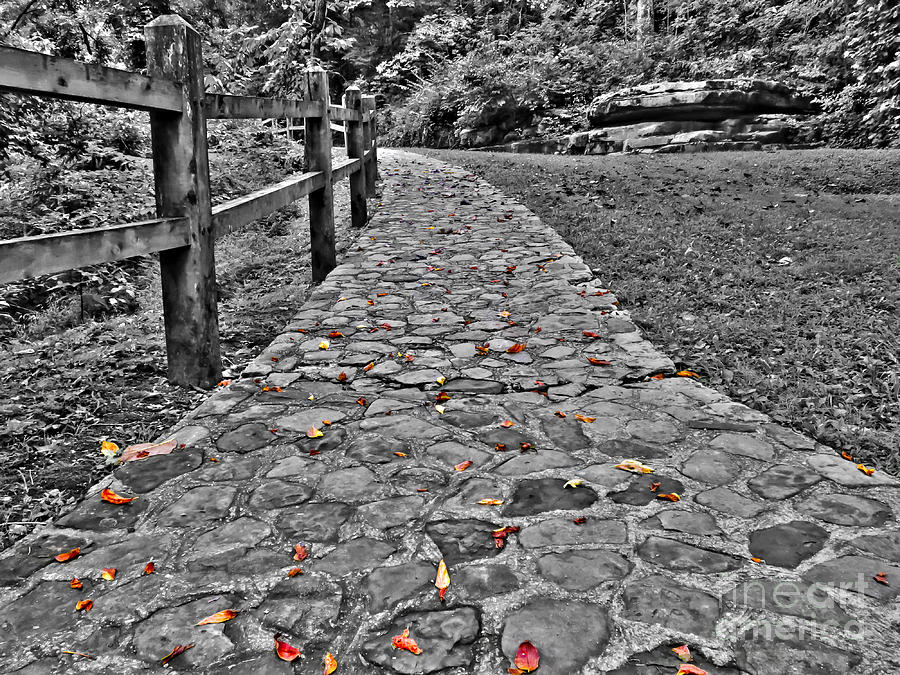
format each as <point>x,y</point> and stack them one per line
<point>355,142</point>
<point>317,157</point>
<point>181,173</point>
<point>368,106</point>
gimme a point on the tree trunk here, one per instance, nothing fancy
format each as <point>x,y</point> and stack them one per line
<point>318,25</point>
<point>644,22</point>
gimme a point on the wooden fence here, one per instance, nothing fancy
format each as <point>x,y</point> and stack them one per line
<point>186,225</point>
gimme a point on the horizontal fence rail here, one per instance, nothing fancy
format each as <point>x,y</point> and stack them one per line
<point>187,224</point>
<point>27,72</point>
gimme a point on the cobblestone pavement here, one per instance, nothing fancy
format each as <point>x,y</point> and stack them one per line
<point>780,557</point>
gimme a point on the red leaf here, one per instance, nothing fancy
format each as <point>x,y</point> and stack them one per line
<point>300,552</point>
<point>285,651</point>
<point>403,641</point>
<point>219,617</point>
<point>68,555</point>
<point>590,334</point>
<point>179,649</point>
<point>516,348</point>
<point>342,376</point>
<point>527,657</point>
<point>881,578</point>
<point>109,496</point>
<point>150,567</point>
<point>598,362</point>
<point>580,520</point>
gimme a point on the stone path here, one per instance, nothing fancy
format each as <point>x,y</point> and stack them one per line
<point>766,565</point>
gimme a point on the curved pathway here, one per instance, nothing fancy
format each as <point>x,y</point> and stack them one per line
<point>780,557</point>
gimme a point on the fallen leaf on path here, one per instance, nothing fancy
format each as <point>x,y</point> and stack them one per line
<point>689,669</point>
<point>865,469</point>
<point>144,450</point>
<point>441,379</point>
<point>84,605</point>
<point>109,449</point>
<point>688,373</point>
<point>598,362</point>
<point>300,552</point>
<point>342,376</point>
<point>506,424</point>
<point>361,400</point>
<point>219,617</point>
<point>560,414</point>
<point>846,455</point>
<point>313,432</point>
<point>683,653</point>
<point>655,486</point>
<point>442,580</point>
<point>285,651</point>
<point>758,561</point>
<point>584,418</point>
<point>574,483</point>
<point>69,651</point>
<point>490,501</point>
<point>590,334</point>
<point>881,578</point>
<point>76,583</point>
<point>658,376</point>
<point>179,649</point>
<point>109,496</point>
<point>516,348</point>
<point>462,466</point>
<point>150,568</point>
<point>442,396</point>
<point>527,657</point>
<point>335,334</point>
<point>633,466</point>
<point>67,556</point>
<point>108,573</point>
<point>440,409</point>
<point>669,496</point>
<point>404,641</point>
<point>502,533</point>
<point>330,663</point>
<point>369,366</point>
<point>294,571</point>
<point>580,520</point>
<point>500,447</point>
<point>324,344</point>
<point>401,454</point>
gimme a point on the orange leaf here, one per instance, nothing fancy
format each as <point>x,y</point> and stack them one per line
<point>150,568</point>
<point>687,373</point>
<point>342,376</point>
<point>285,651</point>
<point>881,578</point>
<point>300,552</point>
<point>403,641</point>
<point>846,455</point>
<point>688,669</point>
<point>584,418</point>
<point>179,649</point>
<point>507,424</point>
<point>500,447</point>
<point>580,520</point>
<point>361,400</point>
<point>68,555</point>
<point>560,413</point>
<point>294,571</point>
<point>658,376</point>
<point>516,348</point>
<point>527,657</point>
<point>219,617</point>
<point>442,580</point>
<point>369,366</point>
<point>401,454</point>
<point>442,396</point>
<point>335,334</point>
<point>683,653</point>
<point>462,466</point>
<point>670,496</point>
<point>76,583</point>
<point>633,466</point>
<point>109,496</point>
<point>484,349</point>
<point>655,486</point>
<point>84,605</point>
<point>758,561</point>
<point>108,573</point>
<point>490,502</point>
<point>330,661</point>
<point>598,362</point>
<point>865,469</point>
<point>590,334</point>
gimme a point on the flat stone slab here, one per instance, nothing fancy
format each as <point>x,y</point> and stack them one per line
<point>885,544</point>
<point>477,582</point>
<point>582,570</point>
<point>532,462</point>
<point>549,625</point>
<point>277,494</point>
<point>857,574</point>
<point>145,475</point>
<point>676,555</point>
<point>356,555</point>
<point>314,521</point>
<point>789,596</point>
<point>387,586</point>
<point>246,438</point>
<point>788,544</point>
<point>547,494</point>
<point>711,466</point>
<point>782,481</point>
<point>847,510</point>
<point>445,638</point>
<point>727,501</point>
<point>463,540</point>
<point>392,512</point>
<point>689,522</point>
<point>659,600</point>
<point>403,426</point>
<point>790,651</point>
<point>746,445</point>
<point>838,469</point>
<point>566,532</point>
<point>640,490</point>
<point>198,506</point>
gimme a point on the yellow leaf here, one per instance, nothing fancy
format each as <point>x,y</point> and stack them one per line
<point>442,580</point>
<point>490,502</point>
<point>575,482</point>
<point>312,432</point>
<point>441,379</point>
<point>440,409</point>
<point>324,344</point>
<point>633,466</point>
<point>330,663</point>
<point>109,449</point>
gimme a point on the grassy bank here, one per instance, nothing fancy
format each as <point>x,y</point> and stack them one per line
<point>775,275</point>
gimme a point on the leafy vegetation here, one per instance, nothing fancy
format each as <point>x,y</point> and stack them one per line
<point>715,257</point>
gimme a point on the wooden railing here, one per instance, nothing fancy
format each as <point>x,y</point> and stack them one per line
<point>186,226</point>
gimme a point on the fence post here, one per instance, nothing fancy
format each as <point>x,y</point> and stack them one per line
<point>355,142</point>
<point>371,162</point>
<point>317,157</point>
<point>181,173</point>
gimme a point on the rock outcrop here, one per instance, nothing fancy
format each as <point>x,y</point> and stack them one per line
<point>707,100</point>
